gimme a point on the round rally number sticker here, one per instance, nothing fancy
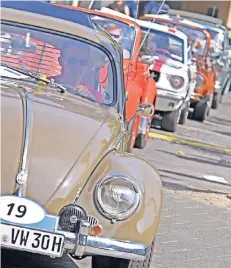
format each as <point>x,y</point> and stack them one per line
<point>20,210</point>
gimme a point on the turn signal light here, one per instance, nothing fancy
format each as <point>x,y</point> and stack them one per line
<point>97,230</point>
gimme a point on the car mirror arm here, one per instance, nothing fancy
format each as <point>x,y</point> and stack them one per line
<point>144,110</point>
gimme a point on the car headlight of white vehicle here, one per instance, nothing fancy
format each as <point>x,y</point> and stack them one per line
<point>199,81</point>
<point>117,196</point>
<point>176,81</point>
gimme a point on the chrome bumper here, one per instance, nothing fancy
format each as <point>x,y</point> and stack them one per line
<point>196,96</point>
<point>82,244</point>
<point>218,87</point>
<point>168,101</point>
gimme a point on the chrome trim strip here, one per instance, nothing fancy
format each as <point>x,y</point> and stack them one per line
<point>143,125</point>
<point>21,177</point>
<point>114,248</point>
<point>79,245</point>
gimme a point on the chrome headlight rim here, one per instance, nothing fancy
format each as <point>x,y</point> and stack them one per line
<point>172,76</point>
<point>199,75</point>
<point>99,206</point>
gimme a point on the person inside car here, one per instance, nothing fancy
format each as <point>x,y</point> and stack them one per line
<point>116,33</point>
<point>75,62</point>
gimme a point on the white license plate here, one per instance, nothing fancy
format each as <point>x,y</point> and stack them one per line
<point>31,240</point>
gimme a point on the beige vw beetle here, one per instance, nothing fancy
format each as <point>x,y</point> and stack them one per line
<point>68,185</point>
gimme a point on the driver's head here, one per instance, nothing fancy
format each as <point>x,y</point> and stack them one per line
<point>74,61</point>
<point>114,31</point>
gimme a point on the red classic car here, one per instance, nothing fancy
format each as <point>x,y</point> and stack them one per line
<point>140,86</point>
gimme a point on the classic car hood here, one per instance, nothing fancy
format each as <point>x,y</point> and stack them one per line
<point>167,65</point>
<point>61,127</point>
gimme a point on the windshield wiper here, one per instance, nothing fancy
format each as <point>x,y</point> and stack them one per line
<point>50,82</point>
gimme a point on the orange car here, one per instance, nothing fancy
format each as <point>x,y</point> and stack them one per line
<point>140,86</point>
<point>200,40</point>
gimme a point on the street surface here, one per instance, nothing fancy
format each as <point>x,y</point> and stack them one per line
<point>195,228</point>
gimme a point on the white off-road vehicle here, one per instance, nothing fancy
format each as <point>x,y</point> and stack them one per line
<point>173,69</point>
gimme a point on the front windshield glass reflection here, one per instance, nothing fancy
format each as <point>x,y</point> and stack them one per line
<point>198,39</point>
<point>79,66</point>
<point>121,32</point>
<point>163,44</point>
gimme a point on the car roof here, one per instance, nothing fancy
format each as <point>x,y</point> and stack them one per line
<point>49,10</point>
<point>175,19</point>
<point>101,12</point>
<point>183,22</point>
<point>155,26</point>
<point>193,15</point>
<point>60,25</point>
<point>213,27</point>
<point>146,23</point>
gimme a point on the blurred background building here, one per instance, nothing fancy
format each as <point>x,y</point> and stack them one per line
<point>219,9</point>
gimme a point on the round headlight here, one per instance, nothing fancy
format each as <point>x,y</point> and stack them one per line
<point>117,197</point>
<point>199,81</point>
<point>176,81</point>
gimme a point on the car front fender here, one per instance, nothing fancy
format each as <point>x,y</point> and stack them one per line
<point>143,224</point>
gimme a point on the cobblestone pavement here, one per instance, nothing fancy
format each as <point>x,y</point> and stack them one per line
<point>195,228</point>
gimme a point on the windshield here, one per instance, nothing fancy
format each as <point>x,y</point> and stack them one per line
<point>163,44</point>
<point>121,32</point>
<point>218,36</point>
<point>197,38</point>
<point>80,67</point>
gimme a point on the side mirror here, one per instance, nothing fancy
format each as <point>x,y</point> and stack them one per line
<point>145,110</point>
<point>147,59</point>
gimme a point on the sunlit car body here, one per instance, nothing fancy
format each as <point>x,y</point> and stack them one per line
<point>173,74</point>
<point>202,97</point>
<point>220,48</point>
<point>68,186</point>
<point>171,104</point>
<point>138,83</point>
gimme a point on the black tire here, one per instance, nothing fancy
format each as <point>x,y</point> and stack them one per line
<point>184,115</point>
<point>108,262</point>
<point>216,99</point>
<point>140,142</point>
<point>200,111</point>
<point>221,98</point>
<point>170,121</point>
